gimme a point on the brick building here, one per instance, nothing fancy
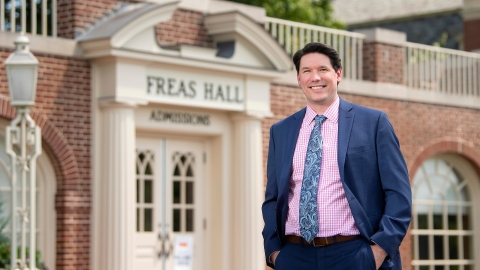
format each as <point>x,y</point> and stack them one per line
<point>155,119</point>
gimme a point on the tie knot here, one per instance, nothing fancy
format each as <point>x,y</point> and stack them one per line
<point>319,119</point>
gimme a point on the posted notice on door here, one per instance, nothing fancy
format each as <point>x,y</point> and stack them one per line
<point>183,252</point>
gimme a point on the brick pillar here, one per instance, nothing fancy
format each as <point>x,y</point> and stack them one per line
<point>73,233</point>
<point>383,55</point>
<point>471,25</point>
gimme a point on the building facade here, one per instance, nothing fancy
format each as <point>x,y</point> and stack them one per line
<point>155,119</point>
<point>438,23</point>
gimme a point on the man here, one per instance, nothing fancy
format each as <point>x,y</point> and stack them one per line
<point>338,194</point>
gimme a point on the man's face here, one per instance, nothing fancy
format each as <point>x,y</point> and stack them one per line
<point>318,81</point>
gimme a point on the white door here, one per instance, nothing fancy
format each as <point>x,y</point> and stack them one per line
<point>169,203</point>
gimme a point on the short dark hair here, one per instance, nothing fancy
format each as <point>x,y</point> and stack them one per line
<point>317,47</point>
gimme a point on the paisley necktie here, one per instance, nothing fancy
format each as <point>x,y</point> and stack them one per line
<point>311,174</point>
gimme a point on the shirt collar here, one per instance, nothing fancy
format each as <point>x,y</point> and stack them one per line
<point>331,113</point>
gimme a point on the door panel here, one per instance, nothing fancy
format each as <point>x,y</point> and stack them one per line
<point>169,203</point>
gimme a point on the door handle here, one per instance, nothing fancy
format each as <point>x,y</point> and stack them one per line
<point>166,246</point>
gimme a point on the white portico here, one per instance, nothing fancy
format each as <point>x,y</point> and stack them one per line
<point>177,152</point>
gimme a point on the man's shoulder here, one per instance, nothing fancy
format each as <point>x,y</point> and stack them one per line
<point>359,109</point>
<point>287,121</point>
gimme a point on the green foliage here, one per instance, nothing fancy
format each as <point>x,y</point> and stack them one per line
<point>316,12</point>
<point>5,244</point>
<point>5,256</point>
<point>4,239</point>
<point>442,41</point>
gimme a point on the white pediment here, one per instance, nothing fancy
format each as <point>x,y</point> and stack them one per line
<point>240,42</point>
<point>131,67</point>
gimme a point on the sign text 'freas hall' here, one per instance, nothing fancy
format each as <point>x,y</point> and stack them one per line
<point>192,89</point>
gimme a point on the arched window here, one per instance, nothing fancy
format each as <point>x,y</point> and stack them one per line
<point>443,227</point>
<point>46,216</point>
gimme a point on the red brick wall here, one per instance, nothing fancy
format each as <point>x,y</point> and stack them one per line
<point>471,35</point>
<point>74,16</point>
<point>63,110</point>
<point>383,63</point>
<point>417,126</point>
<point>185,27</point>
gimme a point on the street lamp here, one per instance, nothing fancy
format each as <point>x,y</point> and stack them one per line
<point>23,142</point>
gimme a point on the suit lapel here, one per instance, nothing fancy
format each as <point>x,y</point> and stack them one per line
<point>290,143</point>
<point>345,123</point>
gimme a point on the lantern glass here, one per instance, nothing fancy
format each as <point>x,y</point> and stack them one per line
<point>22,68</point>
<point>22,80</point>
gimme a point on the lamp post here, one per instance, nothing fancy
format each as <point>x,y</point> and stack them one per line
<point>23,142</point>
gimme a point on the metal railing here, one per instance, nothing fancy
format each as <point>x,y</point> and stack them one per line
<point>293,36</point>
<point>442,70</point>
<point>37,17</point>
<point>426,67</point>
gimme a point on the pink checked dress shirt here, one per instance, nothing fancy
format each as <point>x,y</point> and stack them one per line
<point>334,215</point>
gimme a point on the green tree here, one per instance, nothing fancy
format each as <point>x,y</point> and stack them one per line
<point>316,12</point>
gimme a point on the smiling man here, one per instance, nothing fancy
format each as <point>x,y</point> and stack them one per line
<point>338,194</point>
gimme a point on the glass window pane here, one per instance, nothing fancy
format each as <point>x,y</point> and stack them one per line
<point>437,222</point>
<point>189,171</point>
<point>452,222</point>
<point>423,247</point>
<point>438,247</point>
<point>148,220</point>
<point>454,267</point>
<point>138,191</point>
<point>183,159</point>
<point>148,191</point>
<point>439,267</point>
<point>423,221</point>
<point>176,172</point>
<point>148,169</point>
<point>189,192</point>
<point>424,267</point>
<point>176,192</point>
<point>467,247</point>
<point>138,219</point>
<point>453,247</point>
<point>466,222</point>
<point>452,209</point>
<point>176,220</point>
<point>190,220</point>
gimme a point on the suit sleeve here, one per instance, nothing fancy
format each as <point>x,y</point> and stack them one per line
<point>271,241</point>
<point>396,187</point>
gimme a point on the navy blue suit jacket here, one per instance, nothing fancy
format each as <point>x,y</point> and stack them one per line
<point>372,170</point>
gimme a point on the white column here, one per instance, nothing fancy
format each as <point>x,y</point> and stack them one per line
<point>115,206</point>
<point>247,190</point>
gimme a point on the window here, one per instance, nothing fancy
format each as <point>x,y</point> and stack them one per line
<point>145,191</point>
<point>183,191</point>
<point>442,224</point>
